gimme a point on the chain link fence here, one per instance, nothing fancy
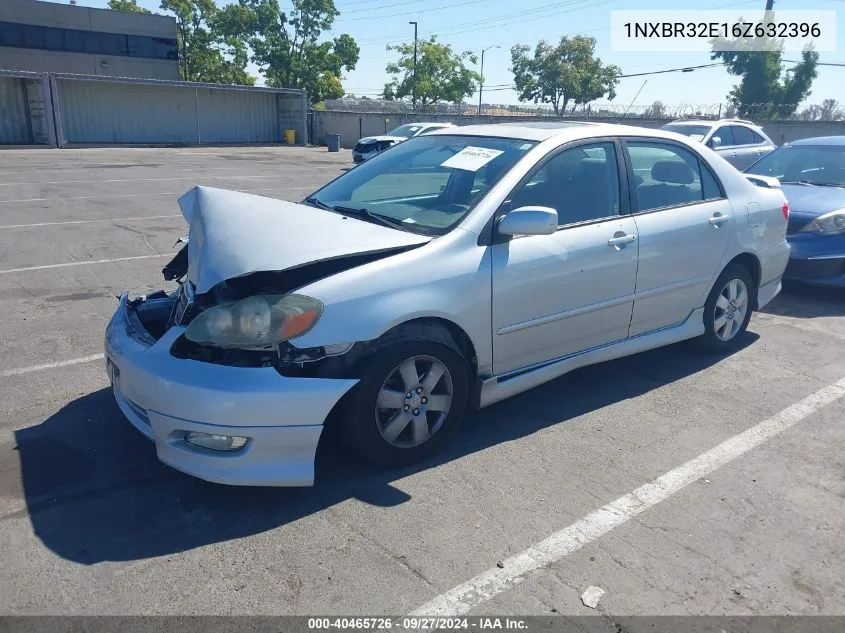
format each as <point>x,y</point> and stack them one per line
<point>829,110</point>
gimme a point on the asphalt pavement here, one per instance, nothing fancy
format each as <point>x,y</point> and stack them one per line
<point>676,483</point>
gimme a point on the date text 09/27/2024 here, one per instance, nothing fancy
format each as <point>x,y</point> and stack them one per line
<point>411,623</point>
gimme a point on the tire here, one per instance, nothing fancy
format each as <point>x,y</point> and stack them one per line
<point>726,319</point>
<point>368,425</point>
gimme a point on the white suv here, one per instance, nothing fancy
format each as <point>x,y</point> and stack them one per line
<point>739,142</point>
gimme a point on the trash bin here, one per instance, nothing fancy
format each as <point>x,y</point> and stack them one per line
<point>290,137</point>
<point>333,142</point>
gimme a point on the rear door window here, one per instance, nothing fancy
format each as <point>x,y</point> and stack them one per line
<point>668,175</point>
<point>742,135</point>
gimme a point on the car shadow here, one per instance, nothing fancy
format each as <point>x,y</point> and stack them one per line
<point>807,302</point>
<point>94,490</point>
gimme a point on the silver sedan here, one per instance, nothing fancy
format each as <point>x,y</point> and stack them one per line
<point>459,269</point>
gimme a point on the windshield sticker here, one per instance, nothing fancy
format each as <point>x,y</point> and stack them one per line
<point>409,221</point>
<point>526,146</point>
<point>471,158</point>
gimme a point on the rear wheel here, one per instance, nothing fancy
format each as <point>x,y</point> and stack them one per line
<point>409,402</point>
<point>727,310</point>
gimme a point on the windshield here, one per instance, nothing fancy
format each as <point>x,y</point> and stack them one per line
<point>696,132</point>
<point>810,164</point>
<point>426,184</point>
<point>405,131</point>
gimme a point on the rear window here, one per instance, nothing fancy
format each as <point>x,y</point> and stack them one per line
<point>697,132</point>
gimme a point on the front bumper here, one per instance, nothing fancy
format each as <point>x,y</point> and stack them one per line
<point>817,259</point>
<point>165,398</point>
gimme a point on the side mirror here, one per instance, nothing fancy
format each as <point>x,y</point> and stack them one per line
<point>715,142</point>
<point>529,221</point>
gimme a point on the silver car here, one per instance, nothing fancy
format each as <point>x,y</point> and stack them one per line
<point>739,142</point>
<point>370,146</point>
<point>467,266</point>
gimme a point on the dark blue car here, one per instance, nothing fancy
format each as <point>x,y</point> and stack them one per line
<point>812,173</point>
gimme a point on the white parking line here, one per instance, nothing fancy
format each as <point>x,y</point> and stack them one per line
<point>139,195</point>
<point>64,363</point>
<point>194,177</point>
<point>146,217</point>
<point>86,262</point>
<point>488,584</point>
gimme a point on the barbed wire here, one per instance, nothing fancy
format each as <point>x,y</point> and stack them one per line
<point>827,111</point>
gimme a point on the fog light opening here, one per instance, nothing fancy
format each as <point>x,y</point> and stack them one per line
<point>215,441</point>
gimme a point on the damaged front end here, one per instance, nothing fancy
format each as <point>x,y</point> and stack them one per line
<point>237,309</point>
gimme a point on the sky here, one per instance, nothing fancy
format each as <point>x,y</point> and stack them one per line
<point>476,24</point>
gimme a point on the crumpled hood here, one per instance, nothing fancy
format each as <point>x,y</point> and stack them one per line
<point>375,139</point>
<point>233,234</point>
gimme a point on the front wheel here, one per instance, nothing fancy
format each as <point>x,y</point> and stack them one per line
<point>727,310</point>
<point>409,402</point>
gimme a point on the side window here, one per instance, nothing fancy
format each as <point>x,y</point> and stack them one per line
<point>580,183</point>
<point>709,184</point>
<point>742,135</point>
<point>725,134</point>
<point>757,138</point>
<point>666,175</point>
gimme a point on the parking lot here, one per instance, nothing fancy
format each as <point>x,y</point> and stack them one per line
<point>542,496</point>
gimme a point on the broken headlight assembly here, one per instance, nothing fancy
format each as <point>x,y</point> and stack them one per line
<point>258,322</point>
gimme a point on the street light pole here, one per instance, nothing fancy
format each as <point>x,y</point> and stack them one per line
<point>481,83</point>
<point>414,94</point>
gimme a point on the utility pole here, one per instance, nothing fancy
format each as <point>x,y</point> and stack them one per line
<point>770,5</point>
<point>414,94</point>
<point>481,83</point>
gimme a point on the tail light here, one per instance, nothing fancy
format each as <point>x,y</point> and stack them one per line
<point>786,211</point>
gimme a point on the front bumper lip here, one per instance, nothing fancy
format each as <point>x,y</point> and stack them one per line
<point>165,397</point>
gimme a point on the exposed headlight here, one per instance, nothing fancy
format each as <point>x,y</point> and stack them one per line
<point>258,322</point>
<point>827,224</point>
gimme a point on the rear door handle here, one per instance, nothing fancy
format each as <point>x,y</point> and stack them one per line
<point>733,154</point>
<point>621,240</point>
<point>719,219</point>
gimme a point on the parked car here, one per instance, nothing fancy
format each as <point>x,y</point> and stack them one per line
<point>370,146</point>
<point>812,174</point>
<point>738,142</point>
<point>456,270</point>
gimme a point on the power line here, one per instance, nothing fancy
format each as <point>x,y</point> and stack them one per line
<point>685,69</point>
<point>404,13</point>
<point>541,12</point>
<point>381,6</point>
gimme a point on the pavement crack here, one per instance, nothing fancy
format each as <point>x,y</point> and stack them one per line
<point>396,558</point>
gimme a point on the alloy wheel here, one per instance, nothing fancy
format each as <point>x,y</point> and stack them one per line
<point>731,310</point>
<point>413,401</point>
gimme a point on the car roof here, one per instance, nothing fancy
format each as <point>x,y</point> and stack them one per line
<point>706,122</point>
<point>542,130</point>
<point>820,140</point>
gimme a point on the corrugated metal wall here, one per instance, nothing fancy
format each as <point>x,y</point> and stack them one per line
<point>237,116</point>
<point>129,112</point>
<point>103,112</point>
<point>14,114</point>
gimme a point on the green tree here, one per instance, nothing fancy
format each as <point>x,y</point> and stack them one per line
<point>211,45</point>
<point>286,46</point>
<point>130,6</point>
<point>656,110</point>
<point>765,90</point>
<point>558,75</point>
<point>441,74</point>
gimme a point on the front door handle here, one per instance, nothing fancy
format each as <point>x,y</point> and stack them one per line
<point>733,154</point>
<point>718,219</point>
<point>618,241</point>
